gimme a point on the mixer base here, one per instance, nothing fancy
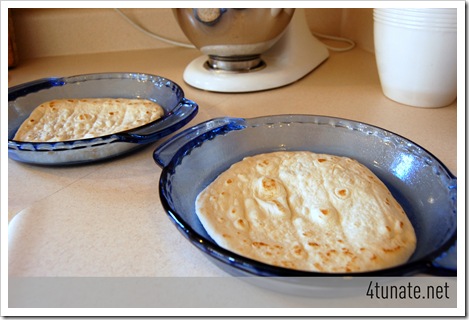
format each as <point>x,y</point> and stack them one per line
<point>270,77</point>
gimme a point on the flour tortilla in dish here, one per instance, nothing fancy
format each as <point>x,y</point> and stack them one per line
<point>74,119</point>
<point>307,211</point>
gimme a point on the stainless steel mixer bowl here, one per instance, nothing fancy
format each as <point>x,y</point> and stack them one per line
<point>233,37</point>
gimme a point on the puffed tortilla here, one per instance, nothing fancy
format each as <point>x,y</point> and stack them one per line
<point>74,119</point>
<point>307,211</point>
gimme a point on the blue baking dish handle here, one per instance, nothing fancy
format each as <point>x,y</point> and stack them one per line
<point>165,152</point>
<point>185,112</point>
<point>446,263</point>
<point>33,86</point>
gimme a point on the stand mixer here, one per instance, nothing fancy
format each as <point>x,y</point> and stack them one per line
<point>248,50</point>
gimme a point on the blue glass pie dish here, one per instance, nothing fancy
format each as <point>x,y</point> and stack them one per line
<point>22,100</point>
<point>425,188</point>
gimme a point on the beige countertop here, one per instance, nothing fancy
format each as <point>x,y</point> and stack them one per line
<point>105,219</point>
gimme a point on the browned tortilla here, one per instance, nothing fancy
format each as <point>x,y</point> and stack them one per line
<point>307,211</point>
<point>74,119</point>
